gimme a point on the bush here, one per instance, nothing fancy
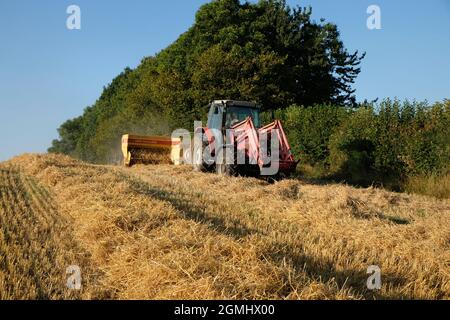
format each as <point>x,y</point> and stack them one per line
<point>352,147</point>
<point>388,143</point>
<point>427,140</point>
<point>309,129</point>
<point>394,144</point>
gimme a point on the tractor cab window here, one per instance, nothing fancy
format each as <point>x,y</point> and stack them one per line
<point>215,117</point>
<point>234,115</point>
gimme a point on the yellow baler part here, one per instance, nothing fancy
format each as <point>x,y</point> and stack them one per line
<point>173,145</point>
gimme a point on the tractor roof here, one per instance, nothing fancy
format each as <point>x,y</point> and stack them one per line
<point>234,103</point>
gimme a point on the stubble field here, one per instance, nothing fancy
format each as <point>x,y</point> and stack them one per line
<point>166,232</point>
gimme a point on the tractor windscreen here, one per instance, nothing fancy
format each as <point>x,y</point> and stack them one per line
<point>239,114</point>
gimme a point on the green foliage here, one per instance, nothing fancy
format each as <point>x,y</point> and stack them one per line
<point>265,52</point>
<point>309,129</point>
<point>373,144</point>
<point>353,145</point>
<point>427,148</point>
<point>396,141</point>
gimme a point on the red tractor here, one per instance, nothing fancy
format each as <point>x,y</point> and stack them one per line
<point>234,142</point>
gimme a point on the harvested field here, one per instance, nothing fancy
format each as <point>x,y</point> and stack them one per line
<point>36,243</point>
<point>165,232</point>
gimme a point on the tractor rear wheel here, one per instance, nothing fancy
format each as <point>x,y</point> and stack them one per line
<point>199,165</point>
<point>224,167</point>
<point>199,162</point>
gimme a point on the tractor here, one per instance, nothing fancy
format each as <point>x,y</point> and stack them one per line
<point>235,142</point>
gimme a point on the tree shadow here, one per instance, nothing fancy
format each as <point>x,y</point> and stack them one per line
<point>231,227</point>
<point>324,270</point>
<point>278,253</point>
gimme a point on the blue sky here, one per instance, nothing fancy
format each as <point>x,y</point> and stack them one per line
<point>49,73</point>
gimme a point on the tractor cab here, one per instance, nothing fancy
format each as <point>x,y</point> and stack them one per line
<point>225,114</point>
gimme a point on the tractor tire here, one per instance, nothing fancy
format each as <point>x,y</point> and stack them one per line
<point>197,158</point>
<point>225,169</point>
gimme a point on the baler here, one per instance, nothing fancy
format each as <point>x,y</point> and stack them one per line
<point>150,150</point>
